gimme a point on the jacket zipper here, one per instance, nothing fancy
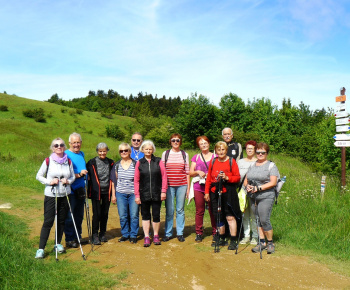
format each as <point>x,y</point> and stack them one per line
<point>150,179</point>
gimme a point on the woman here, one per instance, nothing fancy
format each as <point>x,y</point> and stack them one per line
<point>177,169</point>
<point>150,190</point>
<point>99,190</point>
<point>199,169</point>
<point>56,173</point>
<point>249,217</point>
<point>224,171</point>
<point>260,182</point>
<point>122,177</point>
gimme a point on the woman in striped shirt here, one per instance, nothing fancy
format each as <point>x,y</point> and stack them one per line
<point>177,169</point>
<point>122,176</point>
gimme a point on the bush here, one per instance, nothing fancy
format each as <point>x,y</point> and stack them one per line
<point>63,110</point>
<point>3,108</point>
<point>79,111</point>
<point>37,114</point>
<point>105,115</point>
<point>114,131</point>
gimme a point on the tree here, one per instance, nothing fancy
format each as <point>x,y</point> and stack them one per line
<point>234,112</point>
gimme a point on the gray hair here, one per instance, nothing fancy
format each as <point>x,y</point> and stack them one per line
<point>124,144</point>
<point>54,142</point>
<point>101,145</point>
<point>76,135</point>
<point>147,142</point>
<point>222,132</point>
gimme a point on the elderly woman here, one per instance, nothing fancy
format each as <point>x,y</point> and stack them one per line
<point>223,174</point>
<point>56,173</point>
<point>150,190</point>
<point>199,169</point>
<point>122,177</point>
<point>99,191</point>
<point>177,169</point>
<point>249,217</point>
<point>260,182</point>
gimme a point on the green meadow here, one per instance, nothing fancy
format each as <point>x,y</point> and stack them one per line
<point>305,222</point>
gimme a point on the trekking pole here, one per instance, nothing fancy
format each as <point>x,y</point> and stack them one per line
<point>87,214</point>
<point>52,189</point>
<point>75,227</point>
<point>217,242</point>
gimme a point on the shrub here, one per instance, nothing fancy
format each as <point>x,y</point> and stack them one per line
<point>63,110</point>
<point>105,115</point>
<point>79,111</point>
<point>114,131</point>
<point>37,114</point>
<point>3,108</point>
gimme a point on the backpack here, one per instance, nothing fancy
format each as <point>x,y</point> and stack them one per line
<point>167,156</point>
<point>230,160</point>
<point>279,184</point>
<point>47,159</point>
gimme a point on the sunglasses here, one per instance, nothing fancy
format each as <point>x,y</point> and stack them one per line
<point>260,152</point>
<point>175,140</point>
<point>58,145</point>
<point>136,140</point>
<point>123,151</point>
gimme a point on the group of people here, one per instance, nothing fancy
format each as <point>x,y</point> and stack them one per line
<point>140,181</point>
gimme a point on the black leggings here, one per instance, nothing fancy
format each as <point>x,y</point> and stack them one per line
<point>225,209</point>
<point>100,209</point>
<point>146,210</point>
<point>49,218</point>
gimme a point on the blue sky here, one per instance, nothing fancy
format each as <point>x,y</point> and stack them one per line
<point>274,49</point>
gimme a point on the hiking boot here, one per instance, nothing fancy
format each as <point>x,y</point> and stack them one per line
<point>133,240</point>
<point>147,242</point>
<point>156,240</point>
<point>254,241</point>
<point>123,239</point>
<point>223,242</point>
<point>96,240</point>
<point>39,254</point>
<point>71,244</point>
<point>60,249</point>
<point>198,238</point>
<point>232,245</point>
<point>270,248</point>
<point>103,239</point>
<point>166,239</point>
<point>256,249</point>
<point>245,240</point>
<point>181,238</point>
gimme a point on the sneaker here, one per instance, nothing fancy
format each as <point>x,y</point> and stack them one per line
<point>254,241</point>
<point>60,249</point>
<point>256,249</point>
<point>133,240</point>
<point>166,239</point>
<point>39,254</point>
<point>103,239</point>
<point>96,240</point>
<point>233,245</point>
<point>270,248</point>
<point>147,242</point>
<point>181,238</point>
<point>245,240</point>
<point>198,238</point>
<point>223,242</point>
<point>123,239</point>
<point>156,240</point>
<point>71,244</point>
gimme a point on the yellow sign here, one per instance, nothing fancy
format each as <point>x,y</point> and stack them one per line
<point>341,98</point>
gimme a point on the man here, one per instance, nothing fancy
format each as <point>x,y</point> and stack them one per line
<point>234,149</point>
<point>136,141</point>
<point>77,196</point>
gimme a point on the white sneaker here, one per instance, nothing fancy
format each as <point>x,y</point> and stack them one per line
<point>40,254</point>
<point>60,249</point>
<point>253,241</point>
<point>245,240</point>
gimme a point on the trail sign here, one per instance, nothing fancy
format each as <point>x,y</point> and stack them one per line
<point>341,114</point>
<point>344,128</point>
<point>341,107</point>
<point>342,121</point>
<point>342,137</point>
<point>341,98</point>
<point>342,143</point>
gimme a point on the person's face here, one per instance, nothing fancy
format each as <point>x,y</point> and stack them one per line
<point>203,145</point>
<point>124,152</point>
<point>136,141</point>
<point>148,150</point>
<point>58,147</point>
<point>227,136</point>
<point>75,144</point>
<point>221,152</point>
<point>250,149</point>
<point>175,142</point>
<point>261,154</point>
<point>102,153</point>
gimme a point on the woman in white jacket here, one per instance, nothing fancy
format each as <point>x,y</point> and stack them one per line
<point>56,173</point>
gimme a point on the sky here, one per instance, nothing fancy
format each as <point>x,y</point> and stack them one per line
<point>292,49</point>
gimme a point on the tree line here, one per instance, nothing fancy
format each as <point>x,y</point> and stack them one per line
<point>293,130</point>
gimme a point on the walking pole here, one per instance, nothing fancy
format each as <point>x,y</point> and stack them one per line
<point>52,189</point>
<point>217,242</point>
<point>75,227</point>
<point>87,213</point>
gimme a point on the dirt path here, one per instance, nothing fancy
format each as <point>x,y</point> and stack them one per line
<point>191,265</point>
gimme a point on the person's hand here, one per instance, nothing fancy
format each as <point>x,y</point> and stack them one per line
<point>83,172</point>
<point>138,200</point>
<point>64,180</point>
<point>114,200</point>
<point>163,196</point>
<point>54,181</point>
<point>206,197</point>
<point>201,173</point>
<point>223,176</point>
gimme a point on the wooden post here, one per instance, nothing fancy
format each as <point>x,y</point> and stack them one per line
<point>343,150</point>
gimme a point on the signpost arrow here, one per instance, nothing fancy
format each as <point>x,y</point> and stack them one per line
<point>345,128</point>
<point>342,137</point>
<point>342,121</point>
<point>342,143</point>
<point>341,114</point>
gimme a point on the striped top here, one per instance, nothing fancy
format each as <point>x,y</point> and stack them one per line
<point>125,183</point>
<point>176,171</point>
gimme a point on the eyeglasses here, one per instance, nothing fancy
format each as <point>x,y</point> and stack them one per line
<point>136,140</point>
<point>175,140</point>
<point>260,152</point>
<point>124,151</point>
<point>58,145</point>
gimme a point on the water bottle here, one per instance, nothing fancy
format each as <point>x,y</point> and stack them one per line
<point>283,179</point>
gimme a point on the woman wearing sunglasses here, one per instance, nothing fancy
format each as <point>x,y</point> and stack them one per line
<point>260,183</point>
<point>56,173</point>
<point>177,169</point>
<point>122,176</point>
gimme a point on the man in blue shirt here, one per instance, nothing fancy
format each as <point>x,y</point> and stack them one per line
<point>77,204</point>
<point>136,141</point>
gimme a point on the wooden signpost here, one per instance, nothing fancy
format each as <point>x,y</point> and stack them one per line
<point>342,140</point>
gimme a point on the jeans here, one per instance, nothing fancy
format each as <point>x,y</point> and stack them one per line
<point>77,206</point>
<point>178,192</point>
<point>128,214</point>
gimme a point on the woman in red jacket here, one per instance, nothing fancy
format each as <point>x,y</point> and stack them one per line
<point>223,175</point>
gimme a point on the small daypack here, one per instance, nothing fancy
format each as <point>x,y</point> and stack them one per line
<point>279,184</point>
<point>230,160</point>
<point>167,156</point>
<point>47,159</point>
